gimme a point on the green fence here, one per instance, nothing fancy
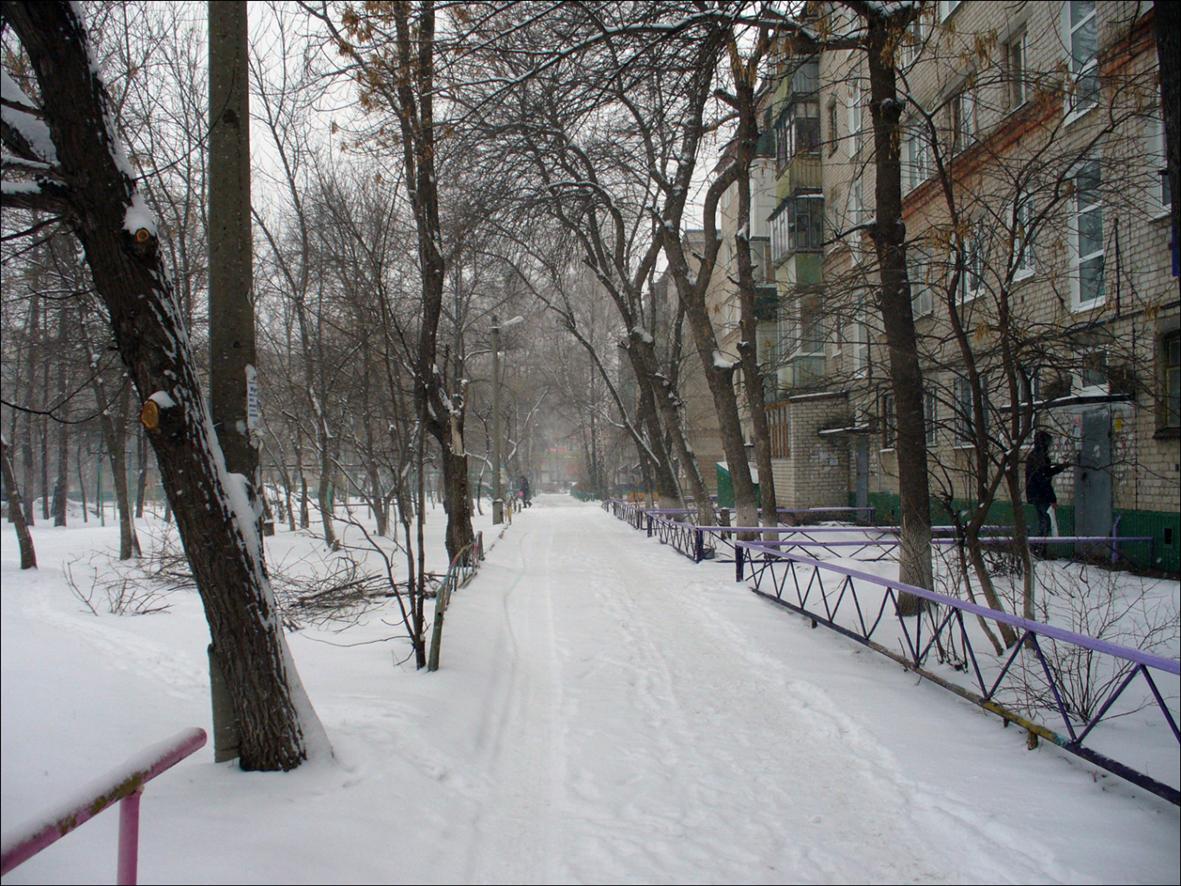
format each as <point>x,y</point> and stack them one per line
<point>1163,527</point>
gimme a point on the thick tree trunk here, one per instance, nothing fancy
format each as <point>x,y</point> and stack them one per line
<point>16,512</point>
<point>746,142</point>
<point>893,297</point>
<point>276,722</point>
<point>721,387</point>
<point>659,414</point>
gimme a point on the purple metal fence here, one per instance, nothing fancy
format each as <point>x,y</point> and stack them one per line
<point>124,786</point>
<point>820,590</point>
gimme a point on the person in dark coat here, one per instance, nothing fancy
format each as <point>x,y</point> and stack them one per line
<point>526,492</point>
<point>1039,481</point>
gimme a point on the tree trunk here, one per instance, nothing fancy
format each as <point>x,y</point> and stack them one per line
<point>16,512</point>
<point>275,718</point>
<point>1167,26</point>
<point>61,490</point>
<point>141,472</point>
<point>746,142</point>
<point>893,297</point>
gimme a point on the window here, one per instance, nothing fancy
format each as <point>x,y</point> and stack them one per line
<point>889,422</point>
<point>811,325</point>
<point>854,111</point>
<point>930,417</point>
<point>782,141</point>
<point>802,129</point>
<point>855,216</point>
<point>972,277</point>
<point>1028,393</point>
<point>779,232</point>
<point>760,249</point>
<point>1158,163</point>
<point>1022,242</point>
<point>805,223</point>
<point>963,120</point>
<point>964,423</point>
<point>946,8</point>
<point>918,159</point>
<point>1087,240</point>
<point>777,428</point>
<point>918,271</point>
<point>916,36</point>
<point>860,340</point>
<point>1169,416</point>
<point>1081,38</point>
<point>833,135</point>
<point>1092,376</point>
<point>1015,86</point>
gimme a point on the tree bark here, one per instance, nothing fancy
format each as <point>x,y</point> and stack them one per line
<point>16,512</point>
<point>893,301</point>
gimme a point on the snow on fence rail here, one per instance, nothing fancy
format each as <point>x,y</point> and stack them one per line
<point>124,786</point>
<point>833,595</point>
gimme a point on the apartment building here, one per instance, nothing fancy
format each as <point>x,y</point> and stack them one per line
<point>1043,282</point>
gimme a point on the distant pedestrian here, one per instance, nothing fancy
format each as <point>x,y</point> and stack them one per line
<point>1039,481</point>
<point>526,492</point>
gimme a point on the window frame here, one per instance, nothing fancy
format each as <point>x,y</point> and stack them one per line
<point>1075,229</point>
<point>1016,86</point>
<point>1168,407</point>
<point>919,165</point>
<point>1158,160</point>
<point>964,129</point>
<point>918,273</point>
<point>1089,68</point>
<point>965,423</point>
<point>1025,266</point>
<point>930,418</point>
<point>889,415</point>
<point>859,344</point>
<point>853,112</point>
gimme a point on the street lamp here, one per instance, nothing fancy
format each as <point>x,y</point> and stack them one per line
<point>497,484</point>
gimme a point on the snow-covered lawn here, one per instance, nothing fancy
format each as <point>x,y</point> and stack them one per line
<point>606,711</point>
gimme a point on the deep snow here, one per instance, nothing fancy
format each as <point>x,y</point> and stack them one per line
<point>606,711</point>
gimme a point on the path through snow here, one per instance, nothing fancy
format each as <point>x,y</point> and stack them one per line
<point>606,711</point>
<point>642,719</point>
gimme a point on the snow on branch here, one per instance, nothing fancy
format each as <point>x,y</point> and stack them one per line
<point>24,130</point>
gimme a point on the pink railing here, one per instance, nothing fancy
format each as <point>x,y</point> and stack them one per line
<point>124,786</point>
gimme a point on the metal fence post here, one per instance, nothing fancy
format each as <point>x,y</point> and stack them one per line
<point>128,867</point>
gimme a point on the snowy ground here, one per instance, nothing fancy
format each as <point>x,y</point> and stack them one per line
<point>607,711</point>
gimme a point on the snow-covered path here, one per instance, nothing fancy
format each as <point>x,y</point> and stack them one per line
<point>606,711</point>
<point>643,720</point>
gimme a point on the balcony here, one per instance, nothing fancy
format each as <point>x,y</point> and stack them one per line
<point>802,172</point>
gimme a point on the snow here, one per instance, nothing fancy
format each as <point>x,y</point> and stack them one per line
<point>31,128</point>
<point>721,362</point>
<point>138,216</point>
<point>605,711</point>
<point>643,335</point>
<point>163,399</point>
